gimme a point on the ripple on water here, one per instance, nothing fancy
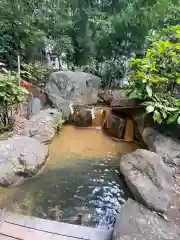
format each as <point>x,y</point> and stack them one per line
<point>80,183</point>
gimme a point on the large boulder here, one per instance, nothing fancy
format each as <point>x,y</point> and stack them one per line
<point>135,222</point>
<point>20,156</point>
<point>43,126</point>
<point>149,178</point>
<point>166,147</point>
<point>76,87</point>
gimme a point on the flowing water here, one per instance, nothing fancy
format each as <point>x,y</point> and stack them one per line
<point>80,184</point>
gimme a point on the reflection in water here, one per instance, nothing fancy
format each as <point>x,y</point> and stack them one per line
<point>80,184</point>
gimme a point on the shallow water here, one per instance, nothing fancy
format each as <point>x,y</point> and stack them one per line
<point>80,184</point>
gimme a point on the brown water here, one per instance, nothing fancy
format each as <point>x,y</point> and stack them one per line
<point>80,184</point>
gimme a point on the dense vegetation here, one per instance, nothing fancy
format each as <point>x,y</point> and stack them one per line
<point>11,94</point>
<point>97,36</point>
<point>156,77</point>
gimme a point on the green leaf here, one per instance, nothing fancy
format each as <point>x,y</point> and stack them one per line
<point>170,109</point>
<point>178,103</point>
<point>157,117</point>
<point>19,98</point>
<point>178,120</point>
<point>178,81</point>
<point>149,91</point>
<point>158,105</point>
<point>149,109</point>
<point>2,94</point>
<point>14,91</point>
<point>133,95</point>
<point>147,103</point>
<point>164,114</point>
<point>172,118</point>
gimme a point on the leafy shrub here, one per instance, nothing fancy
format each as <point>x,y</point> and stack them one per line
<point>171,17</point>
<point>110,71</point>
<point>171,34</point>
<point>156,77</point>
<point>11,94</point>
<point>35,73</point>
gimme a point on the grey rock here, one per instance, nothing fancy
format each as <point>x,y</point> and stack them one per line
<point>166,147</point>
<point>64,107</point>
<point>76,87</point>
<point>125,102</point>
<point>149,178</point>
<point>43,126</point>
<point>141,120</point>
<point>20,153</point>
<point>36,106</point>
<point>29,106</point>
<point>105,96</point>
<point>119,93</point>
<point>135,222</point>
<point>115,125</point>
<point>109,96</point>
<point>82,117</point>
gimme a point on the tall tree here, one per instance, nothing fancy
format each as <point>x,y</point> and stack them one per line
<point>86,30</point>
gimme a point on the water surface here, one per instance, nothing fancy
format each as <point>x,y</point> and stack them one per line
<point>80,183</point>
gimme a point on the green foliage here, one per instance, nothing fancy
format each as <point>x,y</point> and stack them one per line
<point>10,92</point>
<point>59,124</point>
<point>88,32</point>
<point>10,96</point>
<point>171,17</point>
<point>171,34</point>
<point>83,29</point>
<point>18,33</point>
<point>37,72</point>
<point>156,77</point>
<point>109,71</point>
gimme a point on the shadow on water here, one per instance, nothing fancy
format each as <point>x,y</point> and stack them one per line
<point>75,187</point>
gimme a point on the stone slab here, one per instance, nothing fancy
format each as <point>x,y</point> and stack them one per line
<point>63,229</point>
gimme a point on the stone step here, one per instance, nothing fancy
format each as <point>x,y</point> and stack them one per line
<point>16,224</point>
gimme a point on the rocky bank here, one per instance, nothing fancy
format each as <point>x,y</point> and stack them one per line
<point>24,154</point>
<point>153,180</point>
